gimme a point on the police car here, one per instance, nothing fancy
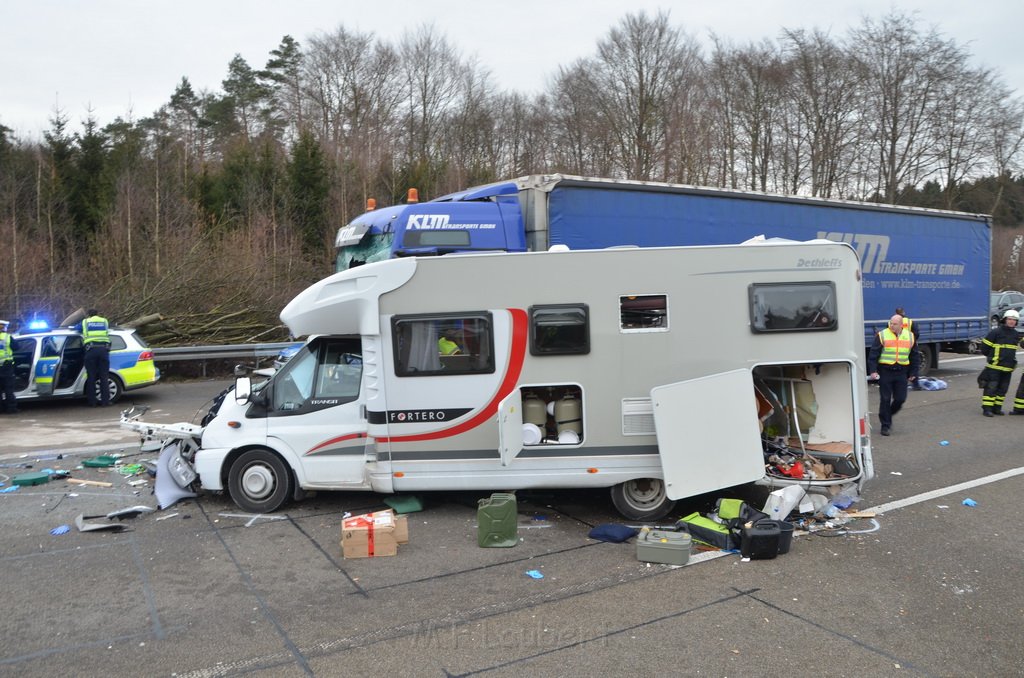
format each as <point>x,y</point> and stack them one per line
<point>286,354</point>
<point>50,363</point>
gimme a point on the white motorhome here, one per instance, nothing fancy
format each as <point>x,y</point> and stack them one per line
<point>660,373</point>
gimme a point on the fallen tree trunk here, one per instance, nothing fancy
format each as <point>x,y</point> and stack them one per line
<point>143,321</point>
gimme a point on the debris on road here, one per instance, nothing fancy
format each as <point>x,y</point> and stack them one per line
<point>36,478</point>
<point>102,461</point>
<point>91,483</point>
<point>92,527</point>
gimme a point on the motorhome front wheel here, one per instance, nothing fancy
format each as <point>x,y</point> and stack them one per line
<point>259,481</point>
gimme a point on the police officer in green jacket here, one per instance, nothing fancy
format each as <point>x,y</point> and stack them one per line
<point>7,403</point>
<point>96,337</point>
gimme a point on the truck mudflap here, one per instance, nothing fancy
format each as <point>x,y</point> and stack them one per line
<point>707,438</point>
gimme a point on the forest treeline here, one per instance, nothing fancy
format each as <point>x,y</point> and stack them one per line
<point>221,205</point>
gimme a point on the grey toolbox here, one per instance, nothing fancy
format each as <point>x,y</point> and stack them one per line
<point>659,546</point>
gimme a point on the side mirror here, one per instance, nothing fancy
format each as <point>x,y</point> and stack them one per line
<point>243,389</point>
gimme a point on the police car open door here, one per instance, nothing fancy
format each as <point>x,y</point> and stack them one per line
<point>708,433</point>
<point>61,361</point>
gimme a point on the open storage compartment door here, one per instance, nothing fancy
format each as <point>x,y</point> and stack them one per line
<point>510,426</point>
<point>708,433</point>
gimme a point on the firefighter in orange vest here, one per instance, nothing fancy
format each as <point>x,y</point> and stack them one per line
<point>893,361</point>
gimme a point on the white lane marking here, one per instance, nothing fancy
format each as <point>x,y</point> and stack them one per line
<point>943,491</point>
<point>943,361</point>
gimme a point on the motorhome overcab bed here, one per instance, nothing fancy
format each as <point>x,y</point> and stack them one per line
<point>661,373</point>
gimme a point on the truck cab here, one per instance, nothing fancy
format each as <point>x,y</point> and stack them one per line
<point>488,218</point>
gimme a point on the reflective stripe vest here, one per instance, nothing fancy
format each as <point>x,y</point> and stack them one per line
<point>446,346</point>
<point>895,350</point>
<point>908,325</point>
<point>6,354</point>
<point>1000,347</point>
<point>95,330</point>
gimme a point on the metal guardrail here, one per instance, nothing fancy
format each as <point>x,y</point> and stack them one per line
<point>254,351</point>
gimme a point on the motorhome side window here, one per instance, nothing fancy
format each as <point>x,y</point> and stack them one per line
<point>449,344</point>
<point>559,329</point>
<point>643,313</point>
<point>792,307</point>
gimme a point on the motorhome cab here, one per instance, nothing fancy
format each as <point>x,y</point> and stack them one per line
<point>659,373</point>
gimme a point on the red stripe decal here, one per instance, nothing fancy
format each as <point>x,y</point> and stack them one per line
<point>339,439</point>
<point>517,355</point>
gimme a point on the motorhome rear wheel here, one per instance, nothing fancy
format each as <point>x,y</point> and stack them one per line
<point>642,499</point>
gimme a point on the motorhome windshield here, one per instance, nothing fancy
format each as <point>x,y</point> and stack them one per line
<point>373,247</point>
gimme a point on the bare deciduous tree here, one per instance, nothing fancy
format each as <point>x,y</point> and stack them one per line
<point>434,76</point>
<point>903,69</point>
<point>823,92</point>
<point>636,76</point>
<point>963,140</point>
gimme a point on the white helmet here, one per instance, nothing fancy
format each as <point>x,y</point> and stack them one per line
<point>1011,314</point>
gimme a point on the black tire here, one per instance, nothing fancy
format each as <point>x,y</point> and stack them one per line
<point>259,481</point>
<point>114,387</point>
<point>926,359</point>
<point>642,499</point>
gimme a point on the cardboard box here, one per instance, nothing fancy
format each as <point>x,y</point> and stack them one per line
<point>401,525</point>
<point>369,536</point>
<point>401,529</point>
<point>373,534</point>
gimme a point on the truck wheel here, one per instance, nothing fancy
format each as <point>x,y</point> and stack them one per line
<point>926,351</point>
<point>642,499</point>
<point>259,481</point>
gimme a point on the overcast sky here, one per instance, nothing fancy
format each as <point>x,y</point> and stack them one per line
<point>125,57</point>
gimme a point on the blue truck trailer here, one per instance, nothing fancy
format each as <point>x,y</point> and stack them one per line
<point>933,263</point>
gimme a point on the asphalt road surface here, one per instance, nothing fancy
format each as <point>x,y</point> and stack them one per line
<point>930,587</point>
<point>72,425</point>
